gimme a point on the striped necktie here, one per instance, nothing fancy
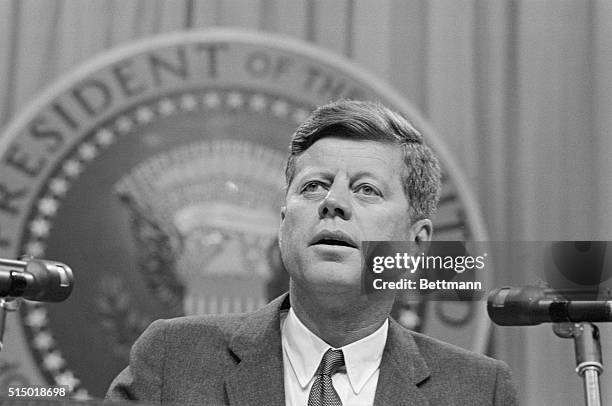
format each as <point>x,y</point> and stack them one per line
<point>322,392</point>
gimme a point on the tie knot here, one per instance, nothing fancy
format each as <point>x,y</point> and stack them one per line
<point>332,361</point>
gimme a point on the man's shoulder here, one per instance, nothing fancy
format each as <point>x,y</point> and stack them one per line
<point>192,329</point>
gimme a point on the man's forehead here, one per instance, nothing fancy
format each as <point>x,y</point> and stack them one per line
<point>341,153</point>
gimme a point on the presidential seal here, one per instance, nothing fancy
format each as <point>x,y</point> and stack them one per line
<point>156,172</point>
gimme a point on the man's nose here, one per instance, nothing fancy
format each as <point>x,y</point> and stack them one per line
<point>337,202</point>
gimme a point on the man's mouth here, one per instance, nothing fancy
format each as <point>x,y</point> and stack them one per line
<point>334,238</point>
<point>327,241</point>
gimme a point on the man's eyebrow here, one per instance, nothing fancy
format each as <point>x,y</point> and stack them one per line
<point>313,171</point>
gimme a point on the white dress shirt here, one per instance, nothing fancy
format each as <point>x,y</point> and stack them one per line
<point>302,354</point>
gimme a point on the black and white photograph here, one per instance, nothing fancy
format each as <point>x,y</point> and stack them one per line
<point>306,202</point>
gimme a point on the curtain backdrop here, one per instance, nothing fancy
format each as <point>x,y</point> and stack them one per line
<point>520,90</point>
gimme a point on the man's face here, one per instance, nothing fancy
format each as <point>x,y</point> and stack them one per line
<point>343,192</point>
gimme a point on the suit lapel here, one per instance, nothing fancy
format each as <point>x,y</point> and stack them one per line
<point>402,369</point>
<point>258,378</point>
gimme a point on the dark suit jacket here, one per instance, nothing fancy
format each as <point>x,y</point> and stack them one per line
<point>237,360</point>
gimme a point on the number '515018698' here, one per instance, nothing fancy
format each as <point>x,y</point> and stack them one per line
<point>38,391</point>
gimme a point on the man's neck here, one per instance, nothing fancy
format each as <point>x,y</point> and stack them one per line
<point>340,319</point>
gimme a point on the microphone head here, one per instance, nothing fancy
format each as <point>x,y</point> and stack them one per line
<point>53,281</point>
<point>510,306</point>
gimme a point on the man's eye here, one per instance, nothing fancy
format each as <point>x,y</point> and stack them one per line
<point>312,187</point>
<point>368,190</point>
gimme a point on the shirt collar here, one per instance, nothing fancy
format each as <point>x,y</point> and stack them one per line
<point>305,351</point>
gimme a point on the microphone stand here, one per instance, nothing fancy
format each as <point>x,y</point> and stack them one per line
<point>7,304</point>
<point>587,347</point>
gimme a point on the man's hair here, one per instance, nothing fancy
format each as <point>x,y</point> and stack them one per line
<point>370,121</point>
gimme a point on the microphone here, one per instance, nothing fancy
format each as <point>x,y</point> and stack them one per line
<point>532,305</point>
<point>35,279</point>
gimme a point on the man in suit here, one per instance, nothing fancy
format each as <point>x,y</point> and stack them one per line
<point>357,172</point>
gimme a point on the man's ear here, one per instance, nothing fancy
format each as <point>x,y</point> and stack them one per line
<point>421,231</point>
